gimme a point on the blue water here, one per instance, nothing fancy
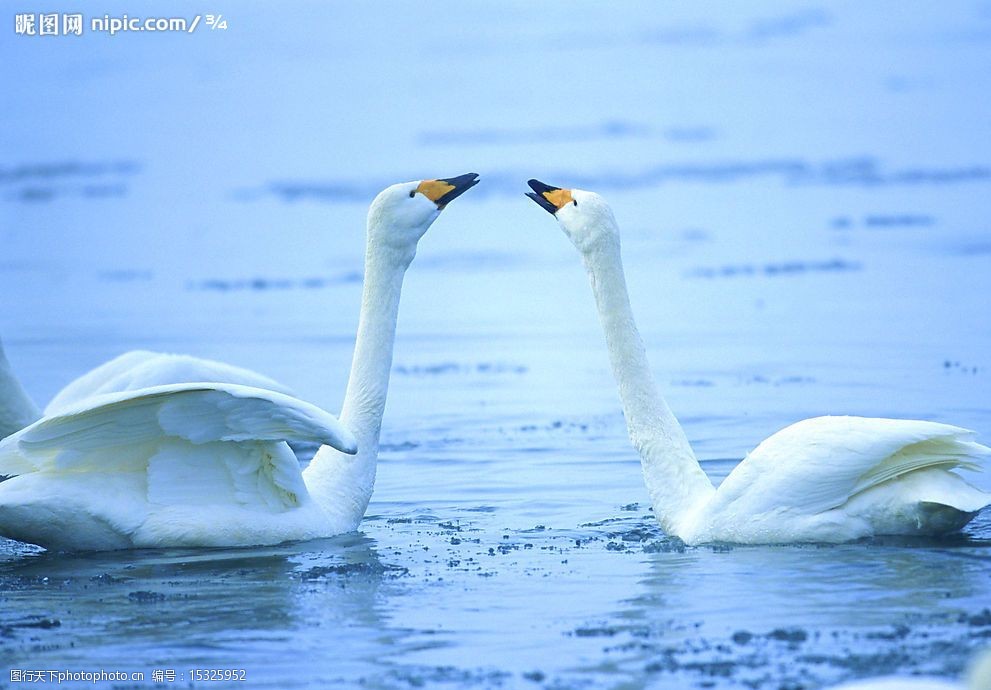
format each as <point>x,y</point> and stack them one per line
<point>803,191</point>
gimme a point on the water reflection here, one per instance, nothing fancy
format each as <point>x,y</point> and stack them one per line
<point>751,180</point>
<point>212,607</point>
<point>822,612</point>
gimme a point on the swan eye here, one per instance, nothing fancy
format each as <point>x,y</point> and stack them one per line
<point>574,201</point>
<point>412,194</point>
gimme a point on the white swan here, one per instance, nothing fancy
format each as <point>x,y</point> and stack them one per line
<point>206,464</point>
<point>139,369</point>
<point>827,479</point>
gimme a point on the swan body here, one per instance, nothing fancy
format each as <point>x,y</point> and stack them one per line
<point>133,454</point>
<point>827,479</point>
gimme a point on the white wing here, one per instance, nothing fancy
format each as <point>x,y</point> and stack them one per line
<point>191,464</point>
<point>80,436</point>
<point>185,464</point>
<point>142,430</point>
<point>819,464</point>
<point>139,369</point>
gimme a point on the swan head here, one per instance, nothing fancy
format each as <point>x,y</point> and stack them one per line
<point>401,214</point>
<point>584,216</point>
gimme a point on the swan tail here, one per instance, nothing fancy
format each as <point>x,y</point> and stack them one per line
<point>930,502</point>
<point>916,491</point>
<point>955,451</point>
<point>953,491</point>
<point>823,463</point>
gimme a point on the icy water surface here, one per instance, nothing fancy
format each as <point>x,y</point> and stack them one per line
<point>804,192</point>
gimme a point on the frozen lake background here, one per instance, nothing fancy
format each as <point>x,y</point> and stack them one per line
<point>804,191</point>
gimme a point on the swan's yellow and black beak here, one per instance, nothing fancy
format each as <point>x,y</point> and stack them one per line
<point>444,191</point>
<point>551,199</point>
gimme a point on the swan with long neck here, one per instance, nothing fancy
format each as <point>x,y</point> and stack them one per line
<point>139,369</point>
<point>827,479</point>
<point>208,464</point>
<point>348,481</point>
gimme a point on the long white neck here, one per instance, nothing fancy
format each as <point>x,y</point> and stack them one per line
<point>675,480</point>
<point>16,409</point>
<point>341,483</point>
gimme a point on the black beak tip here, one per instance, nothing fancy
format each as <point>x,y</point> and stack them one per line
<point>537,195</point>
<point>539,187</point>
<point>461,184</point>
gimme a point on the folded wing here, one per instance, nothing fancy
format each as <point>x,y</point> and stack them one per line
<point>821,463</point>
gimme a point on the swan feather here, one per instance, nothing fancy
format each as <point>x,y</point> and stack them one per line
<point>121,469</point>
<point>819,464</point>
<point>79,437</point>
<point>139,369</point>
